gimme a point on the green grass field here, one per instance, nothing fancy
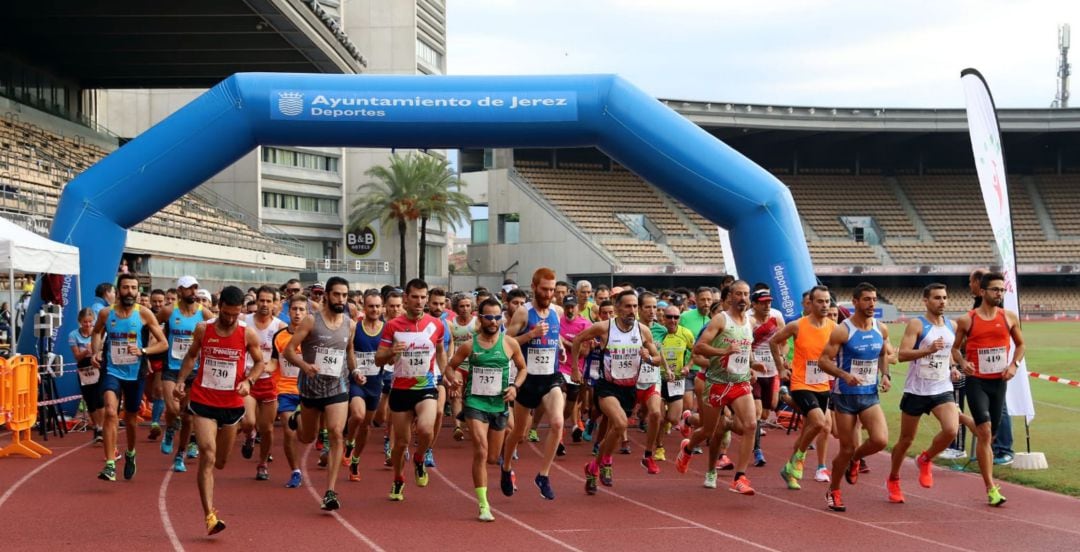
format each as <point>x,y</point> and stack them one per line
<point>1052,348</point>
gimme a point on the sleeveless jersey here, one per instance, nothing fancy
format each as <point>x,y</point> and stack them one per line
<point>859,356</point>
<point>123,333</point>
<point>325,349</point>
<point>541,353</point>
<point>809,344</point>
<point>487,376</point>
<point>287,372</point>
<point>988,345</point>
<point>180,328</point>
<point>364,347</point>
<point>762,353</point>
<point>929,375</point>
<point>461,333</point>
<point>222,359</point>
<point>266,341</point>
<point>735,367</point>
<point>622,361</point>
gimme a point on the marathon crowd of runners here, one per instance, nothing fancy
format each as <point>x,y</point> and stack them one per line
<point>712,366</point>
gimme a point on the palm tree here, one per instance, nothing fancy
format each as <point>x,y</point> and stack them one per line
<point>439,199</point>
<point>394,194</point>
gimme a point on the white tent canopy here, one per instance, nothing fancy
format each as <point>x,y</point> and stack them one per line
<point>24,251</point>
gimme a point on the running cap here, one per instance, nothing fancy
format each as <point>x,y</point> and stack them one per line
<point>761,295</point>
<point>569,300</point>
<point>187,282</point>
<point>203,294</point>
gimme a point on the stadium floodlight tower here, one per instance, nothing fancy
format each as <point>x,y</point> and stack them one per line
<point>1061,100</point>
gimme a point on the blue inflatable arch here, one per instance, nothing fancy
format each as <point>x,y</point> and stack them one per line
<point>252,109</point>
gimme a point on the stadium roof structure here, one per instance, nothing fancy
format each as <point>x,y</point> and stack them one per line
<point>189,44</point>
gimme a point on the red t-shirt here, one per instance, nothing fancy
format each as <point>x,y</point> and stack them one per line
<point>415,368</point>
<point>221,368</point>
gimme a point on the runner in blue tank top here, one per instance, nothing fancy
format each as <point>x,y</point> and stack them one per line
<point>364,398</point>
<point>859,346</point>
<point>536,329</point>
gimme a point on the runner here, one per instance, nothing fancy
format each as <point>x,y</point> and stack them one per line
<point>988,330</point>
<point>675,346</point>
<point>413,343</point>
<point>393,307</point>
<point>628,343</point>
<point>121,324</point>
<point>809,384</point>
<point>216,400</point>
<point>928,389</point>
<point>536,329</point>
<point>437,307</point>
<point>89,377</point>
<point>858,345</point>
<point>364,399</point>
<point>325,339</point>
<point>570,325</point>
<point>157,366</point>
<point>586,307</point>
<point>487,389</point>
<point>179,320</point>
<point>649,396</point>
<point>726,343</point>
<point>463,326</point>
<point>766,322</point>
<point>260,405</point>
<point>288,392</point>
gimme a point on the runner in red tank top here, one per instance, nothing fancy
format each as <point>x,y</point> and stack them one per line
<point>217,394</point>
<point>988,330</point>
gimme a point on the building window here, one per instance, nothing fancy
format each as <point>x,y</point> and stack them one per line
<point>299,159</point>
<point>434,259</point>
<point>479,216</point>
<point>509,228</point>
<point>307,204</point>
<point>428,54</point>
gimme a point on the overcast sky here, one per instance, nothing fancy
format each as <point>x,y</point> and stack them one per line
<point>807,52</point>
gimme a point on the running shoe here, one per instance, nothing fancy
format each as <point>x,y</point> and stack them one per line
<point>155,432</point>
<point>953,454</point>
<point>295,480</point>
<point>684,424</point>
<point>697,451</point>
<point>833,501</point>
<point>420,474</point>
<point>650,465</point>
<point>660,454</point>
<point>742,486</point>
<point>178,465</point>
<point>625,448</point>
<point>1003,459</point>
<point>262,473</point>
<point>926,467</point>
<point>725,463</point>
<point>682,461</point>
<point>192,450</point>
<point>485,514</point>
<point>98,437</point>
<point>533,436</point>
<point>796,464</point>
<point>167,442</point>
<point>759,458</point>
<point>429,458</point>
<point>459,434</point>
<point>248,448</point>
<point>790,480</point>
<point>213,524</point>
<point>506,482</point>
<point>108,473</point>
<point>354,469</point>
<point>606,473</point>
<point>323,442</point>
<point>576,434</point>
<point>587,434</point>
<point>851,474</point>
<point>591,473</point>
<point>666,428</point>
<point>349,447</point>
<point>995,496</point>
<point>863,466</point>
<point>330,501</point>
<point>822,475</point>
<point>324,458</point>
<point>561,451</point>
<point>397,491</point>
<point>543,483</point>
<point>129,464</point>
<point>896,496</point>
<point>710,479</point>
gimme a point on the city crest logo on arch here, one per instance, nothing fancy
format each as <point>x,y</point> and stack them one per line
<point>290,103</point>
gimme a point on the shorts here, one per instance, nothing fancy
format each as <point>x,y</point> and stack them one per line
<point>853,404</point>
<point>572,389</point>
<point>264,390</point>
<point>405,400</point>
<point>494,420</point>
<point>156,365</point>
<point>664,394</point>
<point>643,395</point>
<point>320,403</point>
<point>288,402</point>
<point>806,400</point>
<point>721,395</point>
<point>387,379</point>
<point>688,386</point>
<point>535,387</point>
<point>129,390</point>
<point>223,416</point>
<point>986,398</point>
<point>626,395</point>
<point>763,391</point>
<point>370,391</point>
<point>92,395</point>
<point>174,376</point>
<point>921,405</point>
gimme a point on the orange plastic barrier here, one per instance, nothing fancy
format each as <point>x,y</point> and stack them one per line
<point>18,404</point>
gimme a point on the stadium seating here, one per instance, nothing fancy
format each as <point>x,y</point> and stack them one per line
<point>634,251</point>
<point>1061,195</point>
<point>823,199</point>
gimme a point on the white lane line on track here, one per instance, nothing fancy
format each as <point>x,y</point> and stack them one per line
<point>163,510</point>
<point>1055,405</point>
<point>524,525</point>
<point>623,529</point>
<point>657,510</point>
<point>344,523</point>
<point>35,471</point>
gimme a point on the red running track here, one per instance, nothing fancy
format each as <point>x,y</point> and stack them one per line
<point>57,502</point>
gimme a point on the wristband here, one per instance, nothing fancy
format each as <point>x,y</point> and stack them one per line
<point>514,385</point>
